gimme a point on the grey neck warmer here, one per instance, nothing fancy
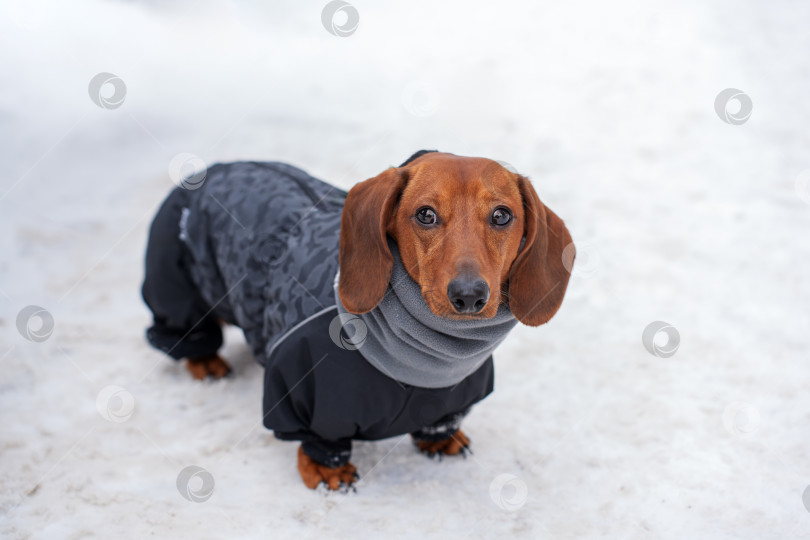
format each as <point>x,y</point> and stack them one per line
<point>407,342</point>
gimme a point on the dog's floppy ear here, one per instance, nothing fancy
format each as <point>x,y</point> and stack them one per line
<point>365,260</point>
<point>539,276</point>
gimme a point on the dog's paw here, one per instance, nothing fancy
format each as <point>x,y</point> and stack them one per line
<point>314,474</point>
<point>457,443</point>
<point>213,366</point>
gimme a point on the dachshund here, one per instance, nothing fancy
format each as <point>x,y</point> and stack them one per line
<point>373,312</point>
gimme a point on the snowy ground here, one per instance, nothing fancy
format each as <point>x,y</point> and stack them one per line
<point>608,107</point>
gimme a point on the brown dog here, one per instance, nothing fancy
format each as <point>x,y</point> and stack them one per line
<point>473,236</point>
<point>463,199</point>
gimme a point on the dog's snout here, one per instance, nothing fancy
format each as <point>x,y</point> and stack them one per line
<point>468,295</point>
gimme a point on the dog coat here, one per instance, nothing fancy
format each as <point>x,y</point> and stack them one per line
<point>256,245</point>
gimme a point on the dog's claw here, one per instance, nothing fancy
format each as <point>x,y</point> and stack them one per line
<point>346,488</point>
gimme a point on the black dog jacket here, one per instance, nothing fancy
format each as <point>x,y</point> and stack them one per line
<point>257,246</point>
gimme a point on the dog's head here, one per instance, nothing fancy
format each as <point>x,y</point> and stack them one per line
<point>471,233</point>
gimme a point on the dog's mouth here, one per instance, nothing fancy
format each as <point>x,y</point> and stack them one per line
<point>468,316</point>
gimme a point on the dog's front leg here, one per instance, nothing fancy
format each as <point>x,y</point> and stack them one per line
<point>326,462</point>
<point>443,437</point>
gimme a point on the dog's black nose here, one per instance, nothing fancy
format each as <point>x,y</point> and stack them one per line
<point>468,295</point>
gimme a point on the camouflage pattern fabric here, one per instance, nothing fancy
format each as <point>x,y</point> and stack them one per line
<point>263,239</point>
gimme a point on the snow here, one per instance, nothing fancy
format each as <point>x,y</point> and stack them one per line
<point>609,107</point>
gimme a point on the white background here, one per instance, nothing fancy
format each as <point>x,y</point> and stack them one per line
<point>607,106</point>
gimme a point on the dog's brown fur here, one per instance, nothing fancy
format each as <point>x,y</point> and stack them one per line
<point>214,366</point>
<point>313,473</point>
<point>463,191</point>
<point>458,443</point>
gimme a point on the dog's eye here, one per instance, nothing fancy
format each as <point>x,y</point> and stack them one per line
<point>426,216</point>
<point>501,216</point>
